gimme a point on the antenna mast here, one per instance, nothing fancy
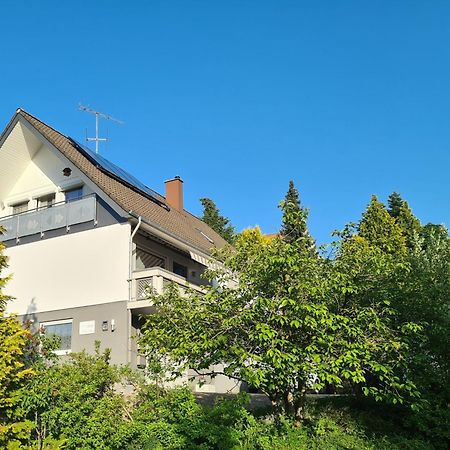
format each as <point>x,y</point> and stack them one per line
<point>97,114</point>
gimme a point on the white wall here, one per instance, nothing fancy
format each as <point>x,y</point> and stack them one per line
<point>42,176</point>
<point>33,179</point>
<point>85,268</point>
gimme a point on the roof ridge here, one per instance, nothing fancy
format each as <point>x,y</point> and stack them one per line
<point>24,113</point>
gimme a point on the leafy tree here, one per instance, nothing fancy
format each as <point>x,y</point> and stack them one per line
<point>381,230</point>
<point>401,212</point>
<point>3,280</point>
<point>374,261</point>
<point>13,372</point>
<point>284,320</point>
<point>425,298</point>
<point>409,224</point>
<point>220,224</point>
<point>76,402</point>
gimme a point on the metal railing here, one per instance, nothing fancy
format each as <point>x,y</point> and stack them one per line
<point>153,281</point>
<point>58,215</point>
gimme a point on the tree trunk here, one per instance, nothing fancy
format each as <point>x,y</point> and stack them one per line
<point>300,406</point>
<point>289,406</point>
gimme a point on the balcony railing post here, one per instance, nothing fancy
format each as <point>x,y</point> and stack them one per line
<point>17,228</point>
<point>158,284</point>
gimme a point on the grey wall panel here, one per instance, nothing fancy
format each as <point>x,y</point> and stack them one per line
<point>117,340</point>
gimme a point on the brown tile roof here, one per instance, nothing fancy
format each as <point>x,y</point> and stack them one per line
<point>182,224</point>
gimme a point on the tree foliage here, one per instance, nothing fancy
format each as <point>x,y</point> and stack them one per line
<point>371,320</point>
<point>298,230</point>
<point>404,217</point>
<point>395,203</point>
<point>220,224</point>
<point>284,320</point>
<point>13,371</point>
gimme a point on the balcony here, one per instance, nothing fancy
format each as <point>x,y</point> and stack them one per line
<point>153,280</point>
<point>59,215</point>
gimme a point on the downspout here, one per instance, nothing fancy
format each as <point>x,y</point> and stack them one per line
<point>130,281</point>
<point>130,274</point>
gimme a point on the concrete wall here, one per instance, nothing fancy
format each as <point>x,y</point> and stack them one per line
<point>86,268</point>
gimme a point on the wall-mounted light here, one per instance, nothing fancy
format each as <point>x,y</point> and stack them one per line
<point>67,171</point>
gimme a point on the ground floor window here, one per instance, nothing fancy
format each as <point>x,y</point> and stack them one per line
<point>63,330</point>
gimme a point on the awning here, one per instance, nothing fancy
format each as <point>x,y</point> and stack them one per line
<point>207,262</point>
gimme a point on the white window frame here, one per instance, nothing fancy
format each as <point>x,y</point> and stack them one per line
<point>59,322</point>
<point>22,203</point>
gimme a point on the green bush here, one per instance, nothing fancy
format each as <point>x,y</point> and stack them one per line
<point>76,405</point>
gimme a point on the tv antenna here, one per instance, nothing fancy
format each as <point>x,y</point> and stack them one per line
<point>97,114</point>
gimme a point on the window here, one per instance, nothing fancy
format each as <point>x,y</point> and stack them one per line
<point>63,330</point>
<point>179,269</point>
<point>46,201</point>
<point>20,207</point>
<point>74,194</point>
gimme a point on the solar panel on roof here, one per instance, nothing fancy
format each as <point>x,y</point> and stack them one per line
<point>107,166</point>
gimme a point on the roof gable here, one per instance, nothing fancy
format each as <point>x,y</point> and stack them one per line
<point>129,197</point>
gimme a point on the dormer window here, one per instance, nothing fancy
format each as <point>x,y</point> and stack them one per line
<point>19,208</point>
<point>46,201</point>
<point>74,194</point>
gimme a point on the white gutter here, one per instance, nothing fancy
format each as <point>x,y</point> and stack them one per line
<point>171,238</point>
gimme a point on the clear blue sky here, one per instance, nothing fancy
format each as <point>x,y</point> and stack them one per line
<point>347,98</point>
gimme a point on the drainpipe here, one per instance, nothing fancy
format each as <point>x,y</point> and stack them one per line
<point>130,274</point>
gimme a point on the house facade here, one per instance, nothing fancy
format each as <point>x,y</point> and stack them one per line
<point>86,240</point>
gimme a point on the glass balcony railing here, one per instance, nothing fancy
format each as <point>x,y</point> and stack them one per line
<point>59,215</point>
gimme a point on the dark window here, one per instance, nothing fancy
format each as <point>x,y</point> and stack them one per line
<point>74,194</point>
<point>179,269</point>
<point>20,207</point>
<point>46,201</point>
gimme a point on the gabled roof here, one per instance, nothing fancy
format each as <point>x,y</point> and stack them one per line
<point>181,224</point>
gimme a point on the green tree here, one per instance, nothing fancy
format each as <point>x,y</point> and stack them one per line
<point>379,228</point>
<point>409,224</point>
<point>291,205</point>
<point>429,295</point>
<point>374,263</point>
<point>76,403</point>
<point>395,203</point>
<point>220,224</point>
<point>13,371</point>
<point>281,320</point>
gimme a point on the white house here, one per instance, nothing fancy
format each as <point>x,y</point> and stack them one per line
<point>85,239</point>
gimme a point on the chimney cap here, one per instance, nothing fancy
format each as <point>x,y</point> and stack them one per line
<point>175,178</point>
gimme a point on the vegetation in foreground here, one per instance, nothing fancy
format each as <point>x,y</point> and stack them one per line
<point>369,317</point>
<point>77,405</point>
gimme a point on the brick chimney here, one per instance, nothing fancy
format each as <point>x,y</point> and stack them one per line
<point>174,193</point>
